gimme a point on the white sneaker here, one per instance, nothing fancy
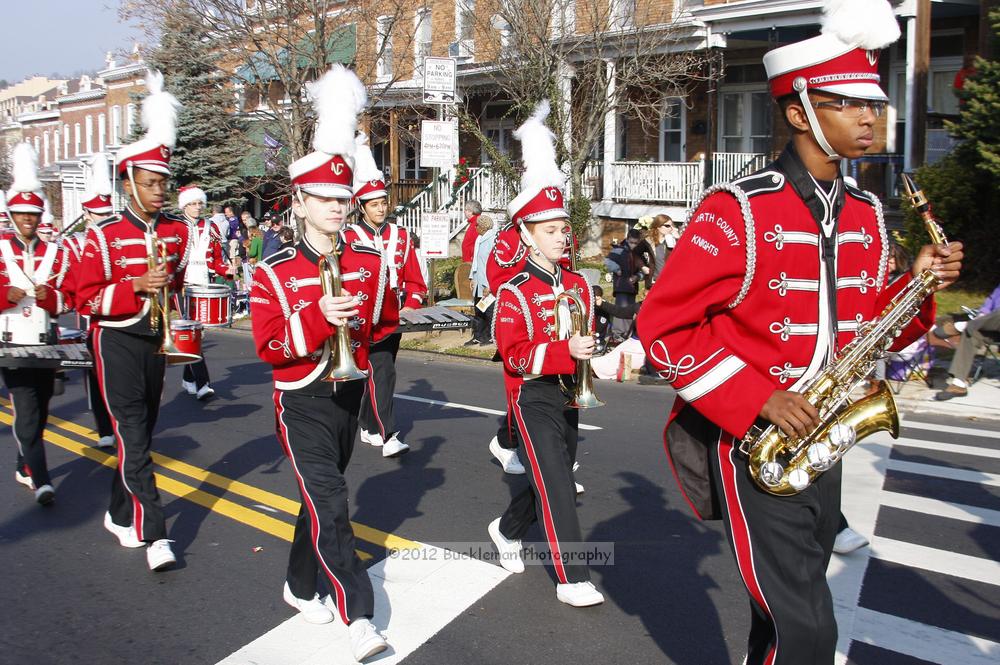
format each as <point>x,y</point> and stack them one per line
<point>848,540</point>
<point>189,387</point>
<point>313,611</point>
<point>106,441</point>
<point>125,534</point>
<point>371,438</point>
<point>159,556</point>
<point>365,639</point>
<point>24,479</point>
<point>205,392</point>
<point>394,447</point>
<point>509,550</point>
<point>579,594</point>
<point>579,488</point>
<point>45,495</point>
<point>576,465</point>
<point>508,459</point>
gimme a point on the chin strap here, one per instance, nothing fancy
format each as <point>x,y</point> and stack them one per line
<point>801,86</point>
<point>135,193</point>
<point>529,241</point>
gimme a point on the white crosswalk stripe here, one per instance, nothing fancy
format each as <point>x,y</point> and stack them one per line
<point>864,477</point>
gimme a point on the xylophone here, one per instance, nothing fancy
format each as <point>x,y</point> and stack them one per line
<point>433,318</point>
<point>64,356</point>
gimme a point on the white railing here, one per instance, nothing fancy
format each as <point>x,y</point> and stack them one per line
<point>591,180</point>
<point>666,182</point>
<point>728,166</point>
<point>484,186</point>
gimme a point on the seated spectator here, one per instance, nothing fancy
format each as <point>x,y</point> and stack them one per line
<point>972,335</point>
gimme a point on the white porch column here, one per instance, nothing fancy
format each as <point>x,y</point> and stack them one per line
<point>566,73</point>
<point>610,135</point>
<point>911,70</point>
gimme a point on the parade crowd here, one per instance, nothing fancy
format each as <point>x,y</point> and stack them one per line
<point>774,274</point>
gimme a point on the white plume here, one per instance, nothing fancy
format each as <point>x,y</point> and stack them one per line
<point>98,182</point>
<point>25,169</point>
<point>338,97</point>
<point>365,168</point>
<point>47,216</point>
<point>869,24</point>
<point>3,202</point>
<point>159,111</point>
<point>538,151</point>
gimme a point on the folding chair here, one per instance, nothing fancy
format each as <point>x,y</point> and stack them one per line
<point>912,363</point>
<point>991,352</point>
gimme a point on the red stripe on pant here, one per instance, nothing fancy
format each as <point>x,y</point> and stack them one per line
<point>543,499</point>
<point>338,588</point>
<point>137,514</point>
<point>740,532</point>
<point>372,395</point>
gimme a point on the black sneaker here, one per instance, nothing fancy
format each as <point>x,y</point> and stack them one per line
<point>471,342</point>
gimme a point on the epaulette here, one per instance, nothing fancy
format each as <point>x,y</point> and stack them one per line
<point>362,249</point>
<point>280,256</point>
<point>108,220</point>
<point>859,194</point>
<point>519,279</point>
<point>174,217</point>
<point>761,182</point>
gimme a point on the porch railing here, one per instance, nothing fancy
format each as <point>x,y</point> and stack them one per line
<point>728,166</point>
<point>664,182</point>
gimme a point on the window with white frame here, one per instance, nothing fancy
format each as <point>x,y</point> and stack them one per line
<point>422,40</point>
<point>37,143</point>
<point>563,17</point>
<point>621,15</point>
<point>130,119</point>
<point>116,125</point>
<point>77,139</point>
<point>411,162</point>
<point>55,143</point>
<point>672,131</point>
<point>383,46</point>
<point>465,20</point>
<point>45,148</point>
<point>89,124</point>
<point>102,132</point>
<point>745,121</point>
<point>498,127</point>
<point>65,141</point>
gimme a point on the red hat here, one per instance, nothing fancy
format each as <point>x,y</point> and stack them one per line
<point>99,205</point>
<point>369,182</point>
<point>97,193</point>
<point>190,194</point>
<point>25,193</point>
<point>541,197</point>
<point>323,175</point>
<point>25,202</point>
<point>371,189</point>
<point>159,118</point>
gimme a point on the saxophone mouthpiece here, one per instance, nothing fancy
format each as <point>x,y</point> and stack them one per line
<point>915,194</point>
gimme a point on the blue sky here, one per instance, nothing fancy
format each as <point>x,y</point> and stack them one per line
<point>66,36</point>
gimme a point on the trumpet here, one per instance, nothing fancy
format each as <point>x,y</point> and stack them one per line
<point>342,366</point>
<point>581,395</point>
<point>159,306</point>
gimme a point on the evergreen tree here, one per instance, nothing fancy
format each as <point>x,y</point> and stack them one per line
<point>5,165</point>
<point>211,140</point>
<point>980,97</point>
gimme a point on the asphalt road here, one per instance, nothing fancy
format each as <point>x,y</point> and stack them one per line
<point>72,595</point>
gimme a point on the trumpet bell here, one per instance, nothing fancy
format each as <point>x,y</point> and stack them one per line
<point>348,372</point>
<point>585,401</point>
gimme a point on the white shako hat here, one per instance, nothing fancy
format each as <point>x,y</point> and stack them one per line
<point>338,97</point>
<point>541,197</point>
<point>190,194</point>
<point>159,118</point>
<point>842,60</point>
<point>97,192</point>
<point>25,193</point>
<point>369,181</point>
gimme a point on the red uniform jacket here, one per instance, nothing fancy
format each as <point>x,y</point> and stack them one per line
<point>510,253</point>
<point>289,329</point>
<point>524,324</point>
<point>115,254</point>
<point>469,239</point>
<point>752,306</point>
<point>57,299</point>
<point>403,275</point>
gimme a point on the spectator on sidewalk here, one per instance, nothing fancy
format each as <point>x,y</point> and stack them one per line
<point>972,335</point>
<point>247,219</point>
<point>661,238</point>
<point>483,247</point>
<point>472,212</point>
<point>287,238</point>
<point>271,240</point>
<point>627,268</point>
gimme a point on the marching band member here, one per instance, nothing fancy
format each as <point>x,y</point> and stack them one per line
<point>207,263</point>
<point>117,290</point>
<point>96,208</point>
<point>30,288</point>
<point>524,326</point>
<point>294,322</point>
<point>774,274</point>
<point>408,290</point>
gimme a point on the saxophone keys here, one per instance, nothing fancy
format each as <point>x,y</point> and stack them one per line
<point>820,456</point>
<point>799,479</point>
<point>771,473</point>
<point>841,437</point>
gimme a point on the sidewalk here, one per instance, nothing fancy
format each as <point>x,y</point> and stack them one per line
<point>983,401</point>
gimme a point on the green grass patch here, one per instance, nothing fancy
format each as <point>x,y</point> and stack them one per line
<point>951,300</point>
<point>472,351</point>
<point>417,344</point>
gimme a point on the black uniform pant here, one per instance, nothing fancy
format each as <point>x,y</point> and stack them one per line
<point>507,432</point>
<point>197,373</point>
<point>548,433</point>
<point>317,434</point>
<point>782,546</point>
<point>30,391</point>
<point>94,400</point>
<point>130,373</point>
<point>376,407</point>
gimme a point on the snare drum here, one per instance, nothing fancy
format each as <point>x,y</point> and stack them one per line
<point>209,305</point>
<point>186,336</point>
<point>71,336</point>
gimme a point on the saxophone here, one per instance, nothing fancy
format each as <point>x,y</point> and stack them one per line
<point>784,465</point>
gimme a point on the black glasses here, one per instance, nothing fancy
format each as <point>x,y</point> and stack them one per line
<point>854,108</point>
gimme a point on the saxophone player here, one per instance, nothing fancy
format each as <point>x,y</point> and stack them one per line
<point>774,274</point>
<point>534,358</point>
<point>294,322</point>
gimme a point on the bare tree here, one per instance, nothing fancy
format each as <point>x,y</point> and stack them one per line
<point>590,58</point>
<point>273,48</point>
